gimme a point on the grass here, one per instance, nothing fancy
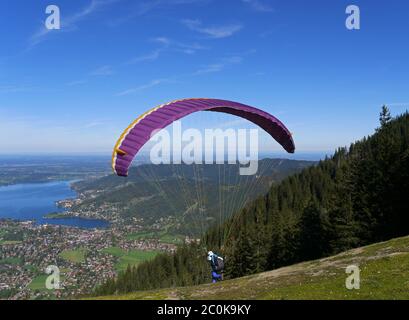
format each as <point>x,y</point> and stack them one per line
<point>141,235</point>
<point>11,261</point>
<point>384,278</point>
<point>75,256</point>
<point>384,274</point>
<point>115,251</point>
<point>31,268</point>
<point>162,236</point>
<point>131,257</point>
<point>38,283</point>
<point>172,239</point>
<point>9,242</point>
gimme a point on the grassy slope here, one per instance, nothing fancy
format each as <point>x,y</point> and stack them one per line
<point>384,275</point>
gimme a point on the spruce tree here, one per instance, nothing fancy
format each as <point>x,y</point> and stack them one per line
<point>384,116</point>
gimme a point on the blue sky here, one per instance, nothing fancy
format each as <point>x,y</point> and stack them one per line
<point>76,89</point>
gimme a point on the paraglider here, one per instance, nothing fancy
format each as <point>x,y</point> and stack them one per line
<point>140,131</point>
<point>217,265</point>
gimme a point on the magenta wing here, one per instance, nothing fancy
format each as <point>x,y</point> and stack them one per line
<point>140,131</point>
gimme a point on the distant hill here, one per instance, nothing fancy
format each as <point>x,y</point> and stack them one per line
<point>196,196</point>
<point>384,274</point>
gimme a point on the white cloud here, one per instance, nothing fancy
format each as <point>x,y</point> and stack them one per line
<point>163,40</point>
<point>186,48</point>
<point>148,85</point>
<point>167,45</point>
<point>141,8</point>
<point>258,5</point>
<point>94,123</point>
<point>215,32</point>
<point>217,67</point>
<point>103,71</point>
<point>145,7</point>
<point>210,68</point>
<point>147,57</point>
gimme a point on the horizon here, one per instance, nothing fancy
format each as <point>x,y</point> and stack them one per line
<point>300,156</point>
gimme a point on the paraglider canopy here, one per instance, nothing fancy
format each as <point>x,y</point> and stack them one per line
<point>140,131</point>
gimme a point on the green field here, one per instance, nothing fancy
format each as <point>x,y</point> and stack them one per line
<point>11,261</point>
<point>76,256</point>
<point>141,235</point>
<point>115,251</point>
<point>172,239</point>
<point>131,257</point>
<point>31,268</point>
<point>9,242</point>
<point>162,236</point>
<point>38,283</point>
<point>384,273</point>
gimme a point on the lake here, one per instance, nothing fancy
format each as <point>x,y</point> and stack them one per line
<point>32,201</point>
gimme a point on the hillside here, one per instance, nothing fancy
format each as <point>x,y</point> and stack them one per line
<point>384,275</point>
<point>355,198</point>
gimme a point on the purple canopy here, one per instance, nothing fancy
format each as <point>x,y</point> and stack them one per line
<point>139,132</point>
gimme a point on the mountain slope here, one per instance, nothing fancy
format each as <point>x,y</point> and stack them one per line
<point>352,199</point>
<point>384,275</point>
<point>356,197</point>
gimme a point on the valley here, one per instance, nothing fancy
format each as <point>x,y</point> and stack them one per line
<point>153,211</point>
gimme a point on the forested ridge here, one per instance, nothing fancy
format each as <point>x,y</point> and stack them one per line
<point>356,197</point>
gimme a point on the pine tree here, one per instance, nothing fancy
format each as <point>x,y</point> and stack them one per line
<point>313,239</point>
<point>384,116</point>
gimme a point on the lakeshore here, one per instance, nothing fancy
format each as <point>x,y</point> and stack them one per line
<point>40,202</point>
